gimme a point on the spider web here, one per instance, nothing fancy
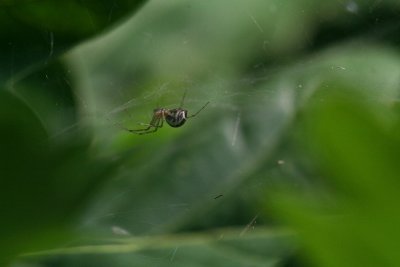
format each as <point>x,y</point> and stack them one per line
<point>115,88</point>
<point>111,93</point>
<point>121,77</point>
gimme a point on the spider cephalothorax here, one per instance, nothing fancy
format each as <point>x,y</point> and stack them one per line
<point>174,117</point>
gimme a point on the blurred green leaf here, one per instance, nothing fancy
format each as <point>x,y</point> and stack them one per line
<point>43,185</point>
<point>354,222</point>
<point>34,32</point>
<point>50,93</point>
<point>223,247</point>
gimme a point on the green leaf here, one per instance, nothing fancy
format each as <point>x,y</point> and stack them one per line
<point>354,219</point>
<point>223,247</point>
<point>34,32</point>
<point>43,185</point>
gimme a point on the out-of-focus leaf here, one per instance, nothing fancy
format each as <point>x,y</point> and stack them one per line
<point>355,222</point>
<point>50,93</point>
<point>43,186</point>
<point>33,32</point>
<point>222,247</point>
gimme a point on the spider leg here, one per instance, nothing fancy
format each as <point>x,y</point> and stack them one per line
<point>183,99</point>
<point>158,124</point>
<point>153,123</point>
<point>191,116</point>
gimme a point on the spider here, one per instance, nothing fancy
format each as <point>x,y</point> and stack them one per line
<point>174,117</point>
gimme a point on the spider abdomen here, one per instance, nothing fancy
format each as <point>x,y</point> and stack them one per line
<point>176,117</point>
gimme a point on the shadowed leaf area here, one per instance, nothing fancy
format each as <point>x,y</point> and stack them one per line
<point>44,185</point>
<point>35,32</point>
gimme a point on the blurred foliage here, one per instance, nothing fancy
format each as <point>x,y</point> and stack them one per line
<point>301,131</point>
<point>350,217</point>
<point>43,185</point>
<point>45,182</point>
<point>35,32</point>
